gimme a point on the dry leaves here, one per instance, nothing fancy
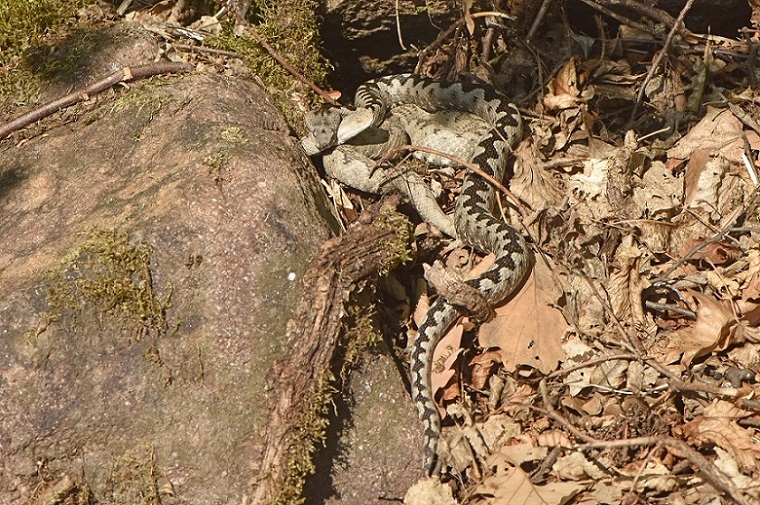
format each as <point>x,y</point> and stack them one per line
<point>625,369</point>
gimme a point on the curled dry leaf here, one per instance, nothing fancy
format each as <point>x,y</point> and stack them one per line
<point>575,466</point>
<point>714,253</point>
<point>714,330</point>
<point>718,425</point>
<point>429,491</point>
<point>482,364</point>
<point>554,438</point>
<point>564,90</point>
<point>626,283</point>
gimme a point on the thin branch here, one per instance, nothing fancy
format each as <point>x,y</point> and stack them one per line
<point>469,166</point>
<point>620,18</point>
<point>647,10</point>
<point>123,75</point>
<point>592,362</point>
<point>204,49</point>
<point>287,66</point>
<point>660,56</point>
<point>720,235</point>
<point>709,471</point>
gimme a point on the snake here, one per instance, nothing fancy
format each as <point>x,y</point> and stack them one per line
<point>474,221</point>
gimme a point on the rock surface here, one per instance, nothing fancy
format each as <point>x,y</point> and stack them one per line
<point>150,254</point>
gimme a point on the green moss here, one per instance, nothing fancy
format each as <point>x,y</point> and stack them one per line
<point>23,23</point>
<point>217,160</point>
<point>291,28</point>
<point>233,136</point>
<point>361,334</point>
<point>136,479</point>
<point>307,432</point>
<point>397,244</point>
<point>110,275</point>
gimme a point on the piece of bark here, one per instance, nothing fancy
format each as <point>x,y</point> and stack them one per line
<point>370,246</point>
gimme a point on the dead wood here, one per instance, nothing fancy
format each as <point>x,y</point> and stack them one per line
<point>299,379</point>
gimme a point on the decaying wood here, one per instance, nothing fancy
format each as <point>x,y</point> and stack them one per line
<point>313,337</point>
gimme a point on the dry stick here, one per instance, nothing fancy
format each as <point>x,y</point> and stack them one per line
<point>677,384</point>
<point>711,473</point>
<point>620,18</point>
<point>436,43</point>
<point>717,237</point>
<point>660,56</point>
<point>592,362</point>
<point>669,307</point>
<point>651,12</point>
<point>295,73</point>
<point>537,21</point>
<point>123,75</point>
<point>455,159</point>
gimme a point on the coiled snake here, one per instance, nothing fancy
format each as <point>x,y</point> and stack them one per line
<point>474,222</point>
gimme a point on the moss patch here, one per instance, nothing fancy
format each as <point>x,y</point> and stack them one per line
<point>290,26</point>
<point>22,27</point>
<point>137,479</point>
<point>398,243</point>
<point>232,138</point>
<point>110,275</point>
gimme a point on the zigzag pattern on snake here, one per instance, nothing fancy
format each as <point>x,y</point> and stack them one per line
<point>474,222</point>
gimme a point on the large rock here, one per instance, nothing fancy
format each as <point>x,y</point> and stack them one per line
<point>151,254</point>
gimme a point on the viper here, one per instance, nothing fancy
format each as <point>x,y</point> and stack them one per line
<point>474,222</point>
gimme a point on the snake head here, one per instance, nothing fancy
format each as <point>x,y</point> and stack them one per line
<point>353,124</point>
<point>322,127</point>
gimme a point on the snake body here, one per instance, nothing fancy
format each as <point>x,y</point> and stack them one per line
<point>474,222</point>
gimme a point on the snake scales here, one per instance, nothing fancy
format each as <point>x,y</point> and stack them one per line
<point>474,223</point>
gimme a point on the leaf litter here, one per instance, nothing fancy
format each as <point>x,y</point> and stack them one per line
<point>625,369</point>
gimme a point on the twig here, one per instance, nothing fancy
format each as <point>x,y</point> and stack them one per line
<point>620,18</point>
<point>436,43</point>
<point>711,473</point>
<point>660,56</point>
<point>287,66</point>
<point>592,362</point>
<point>537,21</point>
<point>715,238</point>
<point>204,49</point>
<point>668,307</point>
<point>651,12</point>
<point>398,29</point>
<point>469,166</point>
<point>677,384</point>
<point>123,75</point>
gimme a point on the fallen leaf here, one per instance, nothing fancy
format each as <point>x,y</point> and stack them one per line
<point>718,133</point>
<point>529,329</point>
<point>429,491</point>
<point>575,466</point>
<point>513,486</point>
<point>718,425</point>
<point>482,364</point>
<point>444,357</point>
<point>625,282</point>
<point>710,333</point>
<point>714,253</point>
